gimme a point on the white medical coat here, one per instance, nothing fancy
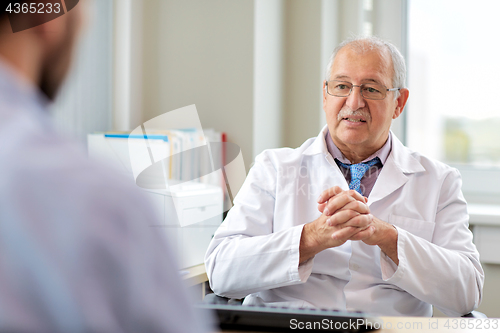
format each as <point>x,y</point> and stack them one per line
<point>255,252</point>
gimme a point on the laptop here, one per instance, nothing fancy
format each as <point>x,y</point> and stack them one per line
<point>283,319</point>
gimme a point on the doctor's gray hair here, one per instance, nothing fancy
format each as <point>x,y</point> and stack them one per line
<point>364,44</point>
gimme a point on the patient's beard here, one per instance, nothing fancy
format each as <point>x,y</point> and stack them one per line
<point>57,64</point>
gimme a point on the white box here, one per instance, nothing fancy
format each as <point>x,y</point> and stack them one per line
<point>191,213</point>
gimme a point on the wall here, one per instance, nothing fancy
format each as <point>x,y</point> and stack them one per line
<point>201,52</point>
<point>302,78</point>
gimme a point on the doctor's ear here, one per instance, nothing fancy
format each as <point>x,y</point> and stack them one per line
<point>324,94</point>
<point>401,102</point>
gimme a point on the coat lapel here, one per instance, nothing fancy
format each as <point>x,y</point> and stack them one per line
<point>337,176</point>
<point>319,147</point>
<point>396,171</point>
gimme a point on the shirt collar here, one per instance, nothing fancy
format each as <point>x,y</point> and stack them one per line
<point>382,153</point>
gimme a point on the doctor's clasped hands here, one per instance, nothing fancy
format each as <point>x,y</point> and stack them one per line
<point>346,216</point>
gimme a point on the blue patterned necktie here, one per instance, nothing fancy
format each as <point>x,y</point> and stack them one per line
<point>357,172</point>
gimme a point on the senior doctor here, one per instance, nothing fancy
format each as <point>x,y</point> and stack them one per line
<point>352,219</point>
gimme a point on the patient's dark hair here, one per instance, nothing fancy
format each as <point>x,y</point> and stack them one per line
<point>24,20</point>
<point>4,4</point>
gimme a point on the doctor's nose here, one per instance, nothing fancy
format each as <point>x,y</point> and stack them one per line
<point>355,100</point>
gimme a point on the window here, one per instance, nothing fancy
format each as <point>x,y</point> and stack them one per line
<point>453,77</point>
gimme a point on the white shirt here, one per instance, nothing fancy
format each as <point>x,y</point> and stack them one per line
<point>255,252</point>
<point>77,250</point>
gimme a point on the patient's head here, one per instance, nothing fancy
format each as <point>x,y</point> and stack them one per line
<point>42,53</point>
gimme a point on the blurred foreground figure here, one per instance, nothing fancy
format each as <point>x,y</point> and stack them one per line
<point>77,251</point>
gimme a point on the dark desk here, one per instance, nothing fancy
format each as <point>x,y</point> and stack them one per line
<point>435,325</point>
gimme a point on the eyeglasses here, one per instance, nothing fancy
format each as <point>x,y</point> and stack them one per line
<point>368,90</point>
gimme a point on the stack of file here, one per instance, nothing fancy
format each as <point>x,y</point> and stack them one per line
<point>176,149</point>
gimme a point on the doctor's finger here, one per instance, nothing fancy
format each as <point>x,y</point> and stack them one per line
<point>355,194</point>
<point>335,191</point>
<point>357,206</point>
<point>339,237</point>
<point>363,234</point>
<point>360,221</point>
<point>321,207</point>
<point>341,200</point>
<point>335,203</point>
<point>327,194</point>
<point>340,218</point>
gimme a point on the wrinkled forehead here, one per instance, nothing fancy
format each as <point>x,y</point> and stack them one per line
<point>364,63</point>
